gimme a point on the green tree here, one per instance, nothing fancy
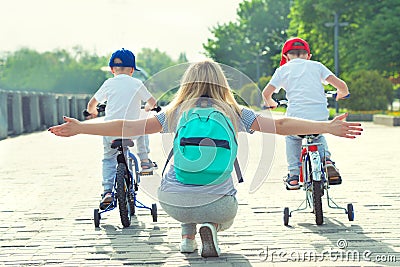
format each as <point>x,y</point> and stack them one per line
<point>182,58</point>
<point>263,81</point>
<point>377,39</point>
<point>153,60</point>
<point>164,73</point>
<point>250,43</point>
<point>370,41</point>
<point>251,94</point>
<point>56,71</point>
<point>369,91</point>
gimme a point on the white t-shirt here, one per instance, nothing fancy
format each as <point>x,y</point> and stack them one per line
<point>123,94</point>
<point>302,80</point>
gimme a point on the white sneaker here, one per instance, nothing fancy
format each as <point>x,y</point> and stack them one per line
<point>209,241</point>
<point>188,245</point>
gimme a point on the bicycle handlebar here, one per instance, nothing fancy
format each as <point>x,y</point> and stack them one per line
<point>102,107</point>
<point>156,109</point>
<point>333,94</point>
<point>282,102</point>
<point>329,94</point>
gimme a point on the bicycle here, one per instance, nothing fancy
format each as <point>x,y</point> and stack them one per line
<point>314,179</point>
<point>126,183</point>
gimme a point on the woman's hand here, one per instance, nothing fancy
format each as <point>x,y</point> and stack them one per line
<point>341,128</point>
<point>69,128</point>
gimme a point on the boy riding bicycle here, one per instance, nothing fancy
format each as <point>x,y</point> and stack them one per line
<point>302,80</point>
<point>124,95</point>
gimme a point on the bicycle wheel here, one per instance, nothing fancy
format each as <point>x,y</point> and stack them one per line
<point>350,212</point>
<point>154,212</point>
<point>97,217</point>
<point>286,215</point>
<point>317,202</point>
<point>123,195</point>
<point>132,185</point>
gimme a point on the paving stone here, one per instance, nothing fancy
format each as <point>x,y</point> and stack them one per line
<point>50,190</point>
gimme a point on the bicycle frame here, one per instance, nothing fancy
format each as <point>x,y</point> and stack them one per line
<point>312,175</point>
<point>132,179</point>
<point>135,176</point>
<point>314,180</point>
<point>127,173</point>
<point>318,171</point>
<point>311,169</point>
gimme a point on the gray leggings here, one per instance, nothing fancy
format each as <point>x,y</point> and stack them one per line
<point>185,208</point>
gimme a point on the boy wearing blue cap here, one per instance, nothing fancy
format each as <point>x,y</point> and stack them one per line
<point>124,95</point>
<point>302,80</point>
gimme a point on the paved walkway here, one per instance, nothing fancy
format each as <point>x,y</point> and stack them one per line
<point>50,186</point>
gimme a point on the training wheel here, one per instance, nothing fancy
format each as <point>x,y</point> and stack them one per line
<point>350,212</point>
<point>154,212</point>
<point>96,218</point>
<point>286,216</point>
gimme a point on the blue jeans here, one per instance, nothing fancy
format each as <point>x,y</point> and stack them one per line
<point>293,151</point>
<point>110,158</point>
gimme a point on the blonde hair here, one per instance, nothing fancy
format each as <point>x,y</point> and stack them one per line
<point>201,79</point>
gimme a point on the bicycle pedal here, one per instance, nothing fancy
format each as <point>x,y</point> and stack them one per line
<point>148,173</point>
<point>335,180</point>
<point>105,205</point>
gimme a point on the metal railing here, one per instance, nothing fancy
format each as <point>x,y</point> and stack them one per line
<point>25,112</point>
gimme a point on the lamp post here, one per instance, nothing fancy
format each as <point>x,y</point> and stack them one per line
<point>336,26</point>
<point>258,55</point>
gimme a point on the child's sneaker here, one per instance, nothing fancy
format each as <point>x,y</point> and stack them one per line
<point>106,200</point>
<point>333,173</point>
<point>209,241</point>
<point>188,245</point>
<point>292,182</point>
<point>148,167</point>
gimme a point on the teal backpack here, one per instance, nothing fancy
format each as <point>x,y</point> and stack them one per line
<point>204,148</point>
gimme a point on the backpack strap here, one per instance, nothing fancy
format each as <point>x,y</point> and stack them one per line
<point>235,164</point>
<point>166,163</point>
<point>238,171</point>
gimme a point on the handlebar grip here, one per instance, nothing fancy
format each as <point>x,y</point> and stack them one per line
<point>101,108</point>
<point>345,97</point>
<point>282,102</point>
<point>86,113</point>
<point>156,109</point>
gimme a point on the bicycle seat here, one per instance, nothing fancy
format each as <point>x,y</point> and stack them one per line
<point>307,135</point>
<point>121,142</point>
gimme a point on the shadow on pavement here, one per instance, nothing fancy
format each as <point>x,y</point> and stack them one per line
<point>348,243</point>
<point>225,259</point>
<point>148,244</point>
<point>140,243</point>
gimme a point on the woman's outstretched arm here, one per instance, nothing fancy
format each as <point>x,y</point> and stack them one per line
<point>73,127</point>
<point>294,126</point>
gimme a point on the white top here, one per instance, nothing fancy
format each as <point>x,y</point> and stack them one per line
<point>123,94</point>
<point>302,80</point>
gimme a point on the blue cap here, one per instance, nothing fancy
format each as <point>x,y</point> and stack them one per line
<point>127,58</point>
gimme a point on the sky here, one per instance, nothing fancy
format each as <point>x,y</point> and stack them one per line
<point>103,26</point>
